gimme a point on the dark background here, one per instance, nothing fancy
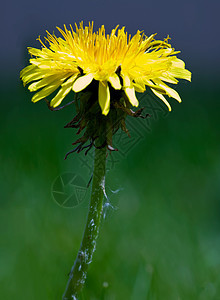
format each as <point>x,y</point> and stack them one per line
<point>160,238</point>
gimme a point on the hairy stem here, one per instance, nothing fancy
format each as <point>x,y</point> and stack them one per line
<point>78,272</point>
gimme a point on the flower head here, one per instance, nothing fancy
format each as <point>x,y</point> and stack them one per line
<point>116,61</point>
<point>105,70</point>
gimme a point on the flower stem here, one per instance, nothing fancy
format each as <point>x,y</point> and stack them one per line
<point>78,272</point>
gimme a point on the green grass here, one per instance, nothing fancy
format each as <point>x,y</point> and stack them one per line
<point>162,239</point>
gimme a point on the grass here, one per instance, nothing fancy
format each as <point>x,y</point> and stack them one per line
<point>162,239</point>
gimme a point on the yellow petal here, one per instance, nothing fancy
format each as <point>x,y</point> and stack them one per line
<point>156,87</point>
<point>169,91</point>
<point>168,78</point>
<point>65,89</point>
<point>126,80</point>
<point>26,70</point>
<point>43,82</point>
<point>180,73</point>
<point>130,92</point>
<point>172,93</point>
<point>139,88</point>
<point>104,97</point>
<point>162,98</point>
<point>146,43</point>
<point>178,63</point>
<point>82,82</point>
<point>115,82</point>
<point>32,73</point>
<point>37,52</point>
<point>46,91</point>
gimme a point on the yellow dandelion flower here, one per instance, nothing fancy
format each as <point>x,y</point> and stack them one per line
<point>115,60</point>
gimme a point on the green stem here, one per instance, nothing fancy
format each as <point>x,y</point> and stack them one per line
<point>78,272</point>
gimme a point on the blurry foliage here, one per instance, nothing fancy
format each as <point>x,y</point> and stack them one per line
<point>162,240</point>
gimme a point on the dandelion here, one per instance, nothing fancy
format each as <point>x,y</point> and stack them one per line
<point>105,71</point>
<point>116,60</point>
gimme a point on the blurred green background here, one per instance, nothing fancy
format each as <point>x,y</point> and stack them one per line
<point>162,238</point>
